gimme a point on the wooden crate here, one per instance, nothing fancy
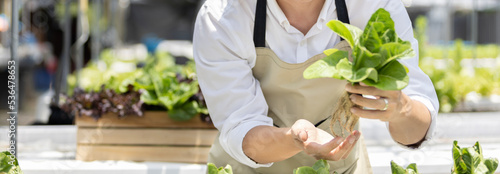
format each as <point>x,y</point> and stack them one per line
<point>153,137</point>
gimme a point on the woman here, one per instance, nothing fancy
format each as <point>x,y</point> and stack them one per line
<point>250,57</point>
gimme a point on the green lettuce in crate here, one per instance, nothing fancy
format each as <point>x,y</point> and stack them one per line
<point>171,87</point>
<point>160,83</point>
<point>8,165</point>
<point>374,61</point>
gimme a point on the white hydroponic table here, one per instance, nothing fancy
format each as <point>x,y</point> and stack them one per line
<point>51,149</point>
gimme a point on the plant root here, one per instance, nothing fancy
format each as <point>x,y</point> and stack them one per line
<point>343,109</point>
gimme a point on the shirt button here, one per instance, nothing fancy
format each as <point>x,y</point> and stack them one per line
<point>302,43</point>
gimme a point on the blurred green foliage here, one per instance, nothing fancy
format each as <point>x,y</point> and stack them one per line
<point>443,52</point>
<point>452,80</point>
<point>160,81</point>
<point>420,31</point>
<point>91,13</point>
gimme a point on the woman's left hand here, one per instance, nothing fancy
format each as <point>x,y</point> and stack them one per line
<point>389,106</point>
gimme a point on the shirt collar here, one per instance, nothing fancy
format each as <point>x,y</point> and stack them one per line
<point>280,16</point>
<point>277,13</point>
<point>323,15</point>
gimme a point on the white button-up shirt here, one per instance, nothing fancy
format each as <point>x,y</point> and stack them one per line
<point>225,55</point>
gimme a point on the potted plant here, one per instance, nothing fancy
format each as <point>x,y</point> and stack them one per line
<point>151,111</point>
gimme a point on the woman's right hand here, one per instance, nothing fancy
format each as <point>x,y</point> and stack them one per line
<point>320,144</point>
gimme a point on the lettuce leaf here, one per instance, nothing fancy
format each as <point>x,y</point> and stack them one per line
<point>320,167</point>
<point>470,160</point>
<point>9,165</point>
<point>375,54</point>
<point>212,169</point>
<point>410,169</point>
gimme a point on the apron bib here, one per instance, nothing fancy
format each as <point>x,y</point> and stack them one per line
<point>291,97</point>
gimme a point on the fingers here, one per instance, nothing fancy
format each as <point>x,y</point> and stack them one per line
<point>343,150</point>
<point>352,141</point>
<point>368,102</point>
<point>322,144</point>
<point>303,135</point>
<point>334,143</point>
<point>388,104</point>
<point>368,90</point>
<point>371,114</point>
<point>302,130</point>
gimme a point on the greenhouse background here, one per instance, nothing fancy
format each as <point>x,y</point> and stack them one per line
<point>111,48</point>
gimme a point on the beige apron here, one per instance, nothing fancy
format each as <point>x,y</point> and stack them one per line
<point>291,97</point>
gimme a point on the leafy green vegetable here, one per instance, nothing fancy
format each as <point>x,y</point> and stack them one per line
<point>9,164</point>
<point>320,167</point>
<point>160,81</point>
<point>212,169</point>
<point>375,54</point>
<point>326,67</point>
<point>467,161</point>
<point>172,90</point>
<point>184,112</point>
<point>470,160</point>
<point>410,169</point>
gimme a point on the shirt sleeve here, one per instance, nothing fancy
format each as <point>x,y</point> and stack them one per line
<point>420,87</point>
<point>224,56</point>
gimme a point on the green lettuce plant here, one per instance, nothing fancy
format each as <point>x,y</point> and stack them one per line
<point>212,169</point>
<point>410,169</point>
<point>470,160</point>
<point>9,165</point>
<point>320,167</point>
<point>466,161</point>
<point>375,52</point>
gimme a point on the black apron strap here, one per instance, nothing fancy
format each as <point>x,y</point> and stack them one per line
<point>259,30</point>
<point>259,34</point>
<point>342,13</point>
